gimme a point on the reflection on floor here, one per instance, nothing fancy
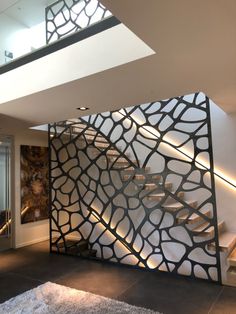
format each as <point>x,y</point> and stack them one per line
<point>25,268</point>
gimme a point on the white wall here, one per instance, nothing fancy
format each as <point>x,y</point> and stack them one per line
<point>14,37</point>
<point>26,234</point>
<point>224,149</point>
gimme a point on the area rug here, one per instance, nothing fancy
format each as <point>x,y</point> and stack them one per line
<point>51,298</point>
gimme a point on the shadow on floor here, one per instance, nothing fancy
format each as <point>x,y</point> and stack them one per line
<point>26,268</point>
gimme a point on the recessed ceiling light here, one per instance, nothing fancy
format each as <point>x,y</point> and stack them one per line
<point>82,108</point>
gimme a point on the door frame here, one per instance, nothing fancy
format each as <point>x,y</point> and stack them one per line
<point>8,243</point>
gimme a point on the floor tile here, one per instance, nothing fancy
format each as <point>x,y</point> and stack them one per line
<point>226,303</point>
<point>102,279</point>
<point>25,268</point>
<point>49,268</point>
<point>11,285</point>
<point>169,294</point>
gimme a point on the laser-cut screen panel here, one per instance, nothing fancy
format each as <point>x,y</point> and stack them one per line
<point>65,17</point>
<point>137,186</point>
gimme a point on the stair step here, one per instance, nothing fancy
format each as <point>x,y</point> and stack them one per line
<point>123,166</point>
<point>141,177</point>
<point>89,253</point>
<point>96,139</point>
<point>132,171</point>
<point>112,152</point>
<point>96,144</point>
<point>101,145</point>
<point>73,245</point>
<point>231,276</point>
<point>232,258</point>
<point>194,218</point>
<point>232,270</point>
<point>80,129</point>
<point>208,231</point>
<point>156,197</point>
<point>154,186</point>
<point>159,196</point>
<point>123,161</point>
<point>227,241</point>
<point>176,206</point>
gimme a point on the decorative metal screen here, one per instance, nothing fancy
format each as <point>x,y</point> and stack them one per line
<point>69,16</point>
<point>137,186</point>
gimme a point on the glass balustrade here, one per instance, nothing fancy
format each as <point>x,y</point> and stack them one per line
<point>29,25</point>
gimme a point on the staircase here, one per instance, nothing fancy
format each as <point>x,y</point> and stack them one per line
<point>74,247</point>
<point>153,187</point>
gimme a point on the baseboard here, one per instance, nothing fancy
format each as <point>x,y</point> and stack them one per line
<point>32,242</point>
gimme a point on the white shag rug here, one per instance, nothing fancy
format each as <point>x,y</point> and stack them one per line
<point>51,298</point>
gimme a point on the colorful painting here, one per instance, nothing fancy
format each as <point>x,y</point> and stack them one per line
<point>34,183</point>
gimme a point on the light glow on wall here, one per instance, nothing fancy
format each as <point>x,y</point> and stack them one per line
<point>185,154</point>
<point>124,245</point>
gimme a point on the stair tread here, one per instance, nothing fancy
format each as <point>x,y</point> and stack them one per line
<point>146,169</point>
<point>88,253</point>
<point>101,144</point>
<point>210,228</point>
<point>112,152</point>
<point>88,132</point>
<point>178,205</point>
<point>230,277</point>
<point>70,243</point>
<point>153,177</point>
<point>156,185</point>
<point>232,256</point>
<point>232,270</point>
<point>153,187</point>
<point>140,177</point>
<point>96,139</point>
<point>79,130</point>
<point>156,195</point>
<point>181,194</point>
<point>125,161</point>
<point>194,217</point>
<point>226,239</point>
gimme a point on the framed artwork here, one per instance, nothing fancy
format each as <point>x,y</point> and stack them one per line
<point>34,183</point>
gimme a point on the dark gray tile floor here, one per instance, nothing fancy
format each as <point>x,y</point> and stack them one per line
<point>25,268</point>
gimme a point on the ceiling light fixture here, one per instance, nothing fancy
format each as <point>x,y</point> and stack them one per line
<point>82,108</point>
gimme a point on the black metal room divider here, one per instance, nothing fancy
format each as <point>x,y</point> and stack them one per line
<point>65,17</point>
<point>136,186</point>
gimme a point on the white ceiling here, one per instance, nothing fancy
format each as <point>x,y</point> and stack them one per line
<point>5,4</point>
<point>109,49</point>
<point>195,43</point>
<point>28,12</point>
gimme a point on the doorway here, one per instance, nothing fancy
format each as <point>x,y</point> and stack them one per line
<point>5,194</point>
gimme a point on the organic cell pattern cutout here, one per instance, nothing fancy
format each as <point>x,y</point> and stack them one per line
<point>68,16</point>
<point>137,185</point>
